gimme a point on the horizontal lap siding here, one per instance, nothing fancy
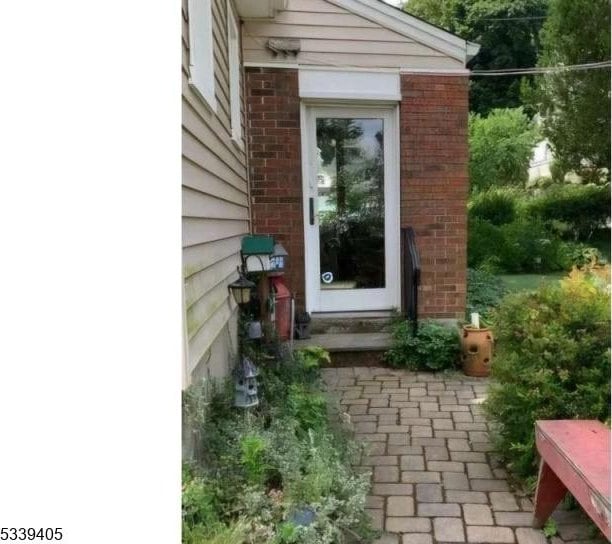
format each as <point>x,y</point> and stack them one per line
<point>215,211</point>
<point>330,35</point>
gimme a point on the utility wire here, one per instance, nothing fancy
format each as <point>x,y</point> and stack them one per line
<point>542,69</point>
<point>534,17</point>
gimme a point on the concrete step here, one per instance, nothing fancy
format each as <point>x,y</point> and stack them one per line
<point>348,325</point>
<point>349,342</point>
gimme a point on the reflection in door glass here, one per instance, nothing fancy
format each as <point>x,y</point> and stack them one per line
<point>351,206</point>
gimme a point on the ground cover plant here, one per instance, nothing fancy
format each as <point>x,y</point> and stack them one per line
<point>280,473</point>
<point>432,346</point>
<point>552,361</point>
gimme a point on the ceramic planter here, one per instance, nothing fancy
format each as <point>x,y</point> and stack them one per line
<point>476,351</point>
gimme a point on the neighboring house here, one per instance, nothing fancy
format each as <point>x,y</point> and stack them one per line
<point>350,117</point>
<point>541,160</point>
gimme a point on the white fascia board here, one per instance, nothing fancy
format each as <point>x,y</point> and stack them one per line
<point>472,50</point>
<point>349,85</point>
<point>408,26</point>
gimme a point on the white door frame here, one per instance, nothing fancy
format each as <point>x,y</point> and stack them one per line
<point>352,300</point>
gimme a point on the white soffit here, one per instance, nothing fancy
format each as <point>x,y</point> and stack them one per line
<point>411,27</point>
<point>344,84</point>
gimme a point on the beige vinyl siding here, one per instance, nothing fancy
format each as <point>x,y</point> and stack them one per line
<point>332,36</point>
<point>215,211</point>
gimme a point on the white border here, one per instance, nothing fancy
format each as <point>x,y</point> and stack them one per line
<point>201,56</point>
<point>233,57</point>
<point>343,84</point>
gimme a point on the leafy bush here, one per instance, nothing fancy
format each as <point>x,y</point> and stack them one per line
<point>485,245</point>
<point>253,450</point>
<point>484,292</point>
<point>525,245</point>
<point>583,208</point>
<point>579,254</point>
<point>496,205</point>
<point>530,247</point>
<point>307,408</point>
<point>500,148</point>
<point>433,347</point>
<point>552,361</point>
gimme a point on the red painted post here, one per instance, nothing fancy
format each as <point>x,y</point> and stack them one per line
<point>549,493</point>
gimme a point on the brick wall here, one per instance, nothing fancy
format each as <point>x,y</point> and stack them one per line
<point>434,186</point>
<point>275,168</point>
<point>433,170</point>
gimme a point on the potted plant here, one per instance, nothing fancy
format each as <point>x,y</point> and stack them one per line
<point>476,348</point>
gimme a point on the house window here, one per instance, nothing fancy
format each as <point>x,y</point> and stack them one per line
<point>233,40</point>
<point>201,60</point>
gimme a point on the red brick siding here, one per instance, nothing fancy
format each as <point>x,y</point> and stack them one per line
<point>434,186</point>
<point>275,167</point>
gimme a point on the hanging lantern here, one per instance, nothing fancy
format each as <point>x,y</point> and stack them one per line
<point>241,289</point>
<point>245,384</point>
<point>278,260</point>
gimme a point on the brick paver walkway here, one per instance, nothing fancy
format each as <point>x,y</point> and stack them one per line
<point>435,476</point>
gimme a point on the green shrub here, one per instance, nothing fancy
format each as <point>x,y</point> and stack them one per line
<point>583,208</point>
<point>198,502</point>
<point>253,458</point>
<point>552,362</point>
<point>530,247</point>
<point>433,347</point>
<point>484,292</point>
<point>500,148</point>
<point>485,245</point>
<point>525,245</point>
<point>497,206</point>
<point>309,409</point>
<point>579,254</point>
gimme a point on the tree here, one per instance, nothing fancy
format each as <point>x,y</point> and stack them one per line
<point>575,105</point>
<point>500,148</point>
<point>507,31</point>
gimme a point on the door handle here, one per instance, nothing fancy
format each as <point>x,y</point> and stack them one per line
<point>311,210</point>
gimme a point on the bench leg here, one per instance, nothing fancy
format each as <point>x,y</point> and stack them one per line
<point>549,493</point>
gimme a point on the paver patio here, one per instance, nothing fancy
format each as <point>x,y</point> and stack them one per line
<point>435,476</point>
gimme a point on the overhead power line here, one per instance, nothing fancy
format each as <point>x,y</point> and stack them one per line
<point>513,18</point>
<point>542,69</point>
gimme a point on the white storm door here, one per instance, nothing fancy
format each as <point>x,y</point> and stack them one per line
<point>351,208</point>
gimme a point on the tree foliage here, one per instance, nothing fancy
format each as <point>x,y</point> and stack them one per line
<point>500,148</point>
<point>575,105</point>
<point>508,32</point>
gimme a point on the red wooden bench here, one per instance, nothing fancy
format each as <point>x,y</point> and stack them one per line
<point>576,458</point>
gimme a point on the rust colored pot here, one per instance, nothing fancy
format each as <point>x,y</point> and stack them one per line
<point>476,351</point>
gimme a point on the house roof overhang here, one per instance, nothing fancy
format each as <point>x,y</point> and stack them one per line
<point>380,12</point>
<point>412,27</point>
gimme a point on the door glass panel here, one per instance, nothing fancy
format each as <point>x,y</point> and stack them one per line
<point>350,191</point>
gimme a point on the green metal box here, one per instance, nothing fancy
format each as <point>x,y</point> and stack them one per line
<point>258,244</point>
